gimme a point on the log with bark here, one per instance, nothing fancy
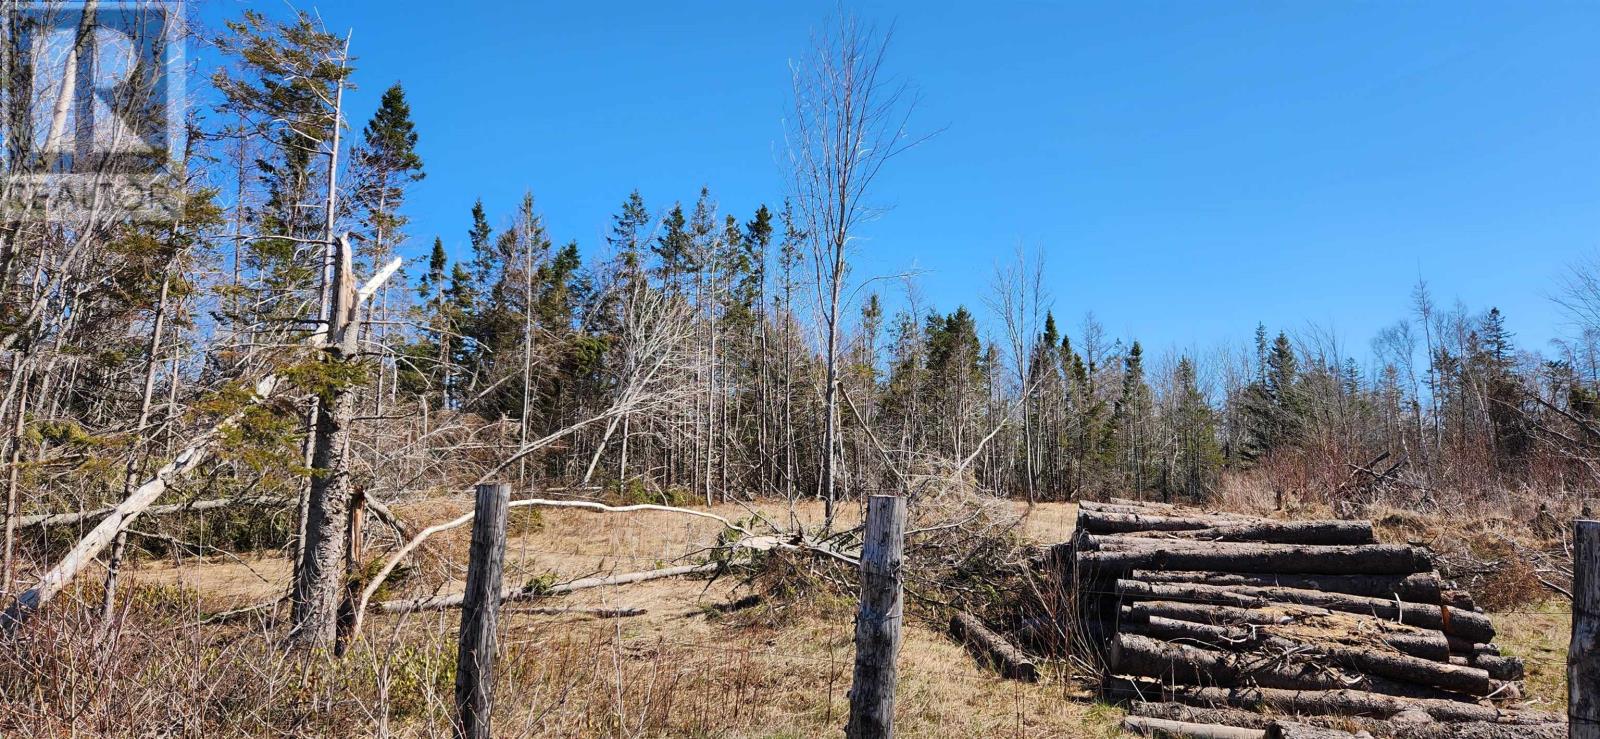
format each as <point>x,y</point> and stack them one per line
<point>1430,645</point>
<point>1462,624</point>
<point>1421,587</point>
<point>1141,656</point>
<point>1104,556</point>
<point>1167,729</point>
<point>992,648</point>
<point>1174,663</point>
<point>1396,666</point>
<point>1401,726</point>
<point>1499,668</point>
<point>1114,522</point>
<point>1296,730</point>
<point>1324,702</point>
<point>1332,532</point>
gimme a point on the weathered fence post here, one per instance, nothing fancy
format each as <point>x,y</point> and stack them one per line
<point>1583,656</point>
<point>878,620</point>
<point>475,656</point>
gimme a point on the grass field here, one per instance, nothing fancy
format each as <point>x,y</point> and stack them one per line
<point>689,666</point>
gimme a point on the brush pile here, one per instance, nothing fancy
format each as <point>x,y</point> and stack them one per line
<point>1215,620</point>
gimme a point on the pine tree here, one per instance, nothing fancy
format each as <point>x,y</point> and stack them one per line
<point>1197,459</point>
<point>1131,421</point>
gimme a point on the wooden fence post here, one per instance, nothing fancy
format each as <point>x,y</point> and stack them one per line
<point>1583,656</point>
<point>476,647</point>
<point>878,620</point>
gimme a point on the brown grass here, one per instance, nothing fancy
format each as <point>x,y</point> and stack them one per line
<point>688,667</point>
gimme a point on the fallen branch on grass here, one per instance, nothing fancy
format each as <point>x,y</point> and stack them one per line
<point>619,612</point>
<point>512,595</point>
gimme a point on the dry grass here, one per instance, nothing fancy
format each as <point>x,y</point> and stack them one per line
<point>688,667</point>
<point>1539,634</point>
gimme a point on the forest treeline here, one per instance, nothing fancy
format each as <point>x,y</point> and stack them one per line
<point>122,336</point>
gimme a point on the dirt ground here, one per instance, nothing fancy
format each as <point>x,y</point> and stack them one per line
<point>686,667</point>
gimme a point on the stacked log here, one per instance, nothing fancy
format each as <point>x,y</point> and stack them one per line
<point>1220,615</point>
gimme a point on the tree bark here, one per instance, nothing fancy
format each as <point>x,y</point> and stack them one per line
<point>1108,556</point>
<point>314,614</point>
<point>1400,727</point>
<point>1463,624</point>
<point>1327,702</point>
<point>1157,727</point>
<point>993,648</point>
<point>1277,532</point>
<point>1460,679</point>
<point>1422,587</point>
<point>1430,645</point>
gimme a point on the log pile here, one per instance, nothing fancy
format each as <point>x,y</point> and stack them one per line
<point>1282,628</point>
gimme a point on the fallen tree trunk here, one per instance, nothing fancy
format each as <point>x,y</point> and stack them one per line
<point>1460,679</point>
<point>1326,702</point>
<point>1463,624</point>
<point>1421,587</point>
<point>1156,509</point>
<point>123,514</point>
<point>1429,645</point>
<point>1325,533</point>
<point>511,595</point>
<point>1395,728</point>
<point>1112,555</point>
<point>1157,727</point>
<point>993,648</point>
<point>46,520</point>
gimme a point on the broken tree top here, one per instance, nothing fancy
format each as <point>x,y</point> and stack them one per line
<point>1201,618</point>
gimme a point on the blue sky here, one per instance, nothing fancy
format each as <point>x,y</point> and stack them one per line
<point>1188,169</point>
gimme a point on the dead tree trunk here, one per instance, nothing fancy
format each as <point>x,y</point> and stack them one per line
<point>993,648</point>
<point>317,592</point>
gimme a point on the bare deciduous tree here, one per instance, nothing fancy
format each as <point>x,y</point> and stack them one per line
<point>848,120</point>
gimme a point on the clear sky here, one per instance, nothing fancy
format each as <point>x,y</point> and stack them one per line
<point>1188,168</point>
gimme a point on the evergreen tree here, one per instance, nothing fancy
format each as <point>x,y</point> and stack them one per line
<point>1131,421</point>
<point>1197,458</point>
<point>384,163</point>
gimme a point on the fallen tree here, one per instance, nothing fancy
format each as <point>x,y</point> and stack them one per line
<point>993,648</point>
<point>124,513</point>
<point>513,595</point>
<point>46,520</point>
